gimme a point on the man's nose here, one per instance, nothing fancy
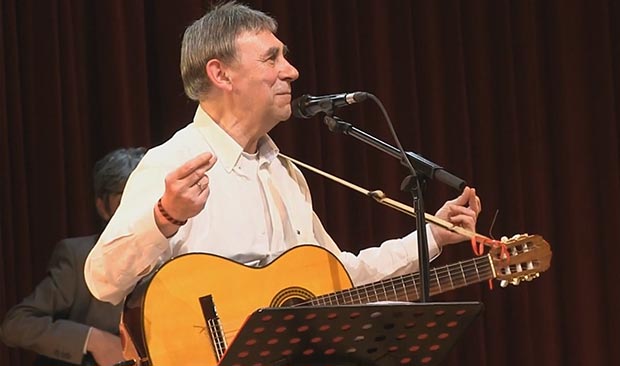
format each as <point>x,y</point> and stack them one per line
<point>289,72</point>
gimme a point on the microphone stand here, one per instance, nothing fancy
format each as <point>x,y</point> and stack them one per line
<point>423,166</point>
<point>412,183</point>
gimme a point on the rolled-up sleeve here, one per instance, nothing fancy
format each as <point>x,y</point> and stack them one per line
<point>131,243</point>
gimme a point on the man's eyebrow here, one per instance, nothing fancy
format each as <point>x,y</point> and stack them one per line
<point>274,51</point>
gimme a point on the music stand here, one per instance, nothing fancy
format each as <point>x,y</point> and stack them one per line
<point>379,334</point>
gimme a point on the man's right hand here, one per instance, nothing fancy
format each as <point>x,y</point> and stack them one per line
<point>187,190</point>
<point>105,347</point>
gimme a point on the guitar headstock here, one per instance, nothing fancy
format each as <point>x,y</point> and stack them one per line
<point>529,255</point>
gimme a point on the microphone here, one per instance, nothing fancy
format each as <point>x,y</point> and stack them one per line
<point>308,106</point>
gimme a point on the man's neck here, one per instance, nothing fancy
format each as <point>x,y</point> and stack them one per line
<point>244,131</point>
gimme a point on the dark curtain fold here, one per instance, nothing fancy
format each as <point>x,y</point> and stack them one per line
<point>520,98</point>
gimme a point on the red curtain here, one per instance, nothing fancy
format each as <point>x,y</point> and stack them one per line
<point>520,98</point>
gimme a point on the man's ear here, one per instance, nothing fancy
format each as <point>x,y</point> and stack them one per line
<point>217,72</point>
<point>102,210</point>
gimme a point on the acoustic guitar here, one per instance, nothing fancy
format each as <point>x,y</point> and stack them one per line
<point>192,307</point>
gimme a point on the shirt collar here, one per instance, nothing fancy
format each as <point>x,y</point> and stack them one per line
<point>227,149</point>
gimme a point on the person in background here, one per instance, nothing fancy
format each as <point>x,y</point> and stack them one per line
<point>60,320</point>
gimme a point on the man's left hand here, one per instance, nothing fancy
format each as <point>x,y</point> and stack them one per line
<point>462,211</point>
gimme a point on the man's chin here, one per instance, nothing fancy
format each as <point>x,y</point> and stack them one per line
<point>285,114</point>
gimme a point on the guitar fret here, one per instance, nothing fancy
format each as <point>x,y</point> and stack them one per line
<point>447,280</point>
<point>477,273</point>
<point>450,276</point>
<point>326,300</point>
<point>415,286</point>
<point>402,280</point>
<point>374,289</point>
<point>486,269</point>
<point>463,273</point>
<point>438,281</point>
<point>395,292</point>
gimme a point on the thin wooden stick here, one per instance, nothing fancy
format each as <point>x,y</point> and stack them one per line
<point>381,198</point>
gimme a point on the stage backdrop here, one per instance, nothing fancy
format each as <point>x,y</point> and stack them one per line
<point>520,98</point>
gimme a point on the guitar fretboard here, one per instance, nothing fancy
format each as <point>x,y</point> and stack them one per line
<point>407,287</point>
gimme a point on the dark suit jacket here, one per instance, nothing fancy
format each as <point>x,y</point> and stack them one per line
<point>54,319</point>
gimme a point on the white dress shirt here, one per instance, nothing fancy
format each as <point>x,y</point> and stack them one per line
<point>259,206</point>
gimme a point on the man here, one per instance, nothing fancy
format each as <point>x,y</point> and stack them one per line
<point>60,320</point>
<point>218,185</point>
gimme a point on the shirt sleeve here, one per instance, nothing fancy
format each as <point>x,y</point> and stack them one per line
<point>131,244</point>
<point>36,324</point>
<point>391,258</point>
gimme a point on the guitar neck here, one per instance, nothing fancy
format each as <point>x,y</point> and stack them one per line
<point>408,287</point>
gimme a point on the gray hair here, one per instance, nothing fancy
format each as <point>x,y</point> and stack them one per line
<point>111,172</point>
<point>213,37</point>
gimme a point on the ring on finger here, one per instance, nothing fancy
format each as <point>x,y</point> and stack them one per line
<point>199,186</point>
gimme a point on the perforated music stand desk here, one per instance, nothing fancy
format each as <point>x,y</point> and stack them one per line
<point>407,334</point>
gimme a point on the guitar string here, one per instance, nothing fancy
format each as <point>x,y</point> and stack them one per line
<point>478,266</point>
<point>390,287</point>
<point>483,270</point>
<point>470,270</point>
<point>353,301</point>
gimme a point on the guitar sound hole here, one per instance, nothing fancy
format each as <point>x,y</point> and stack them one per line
<point>293,301</point>
<point>291,296</point>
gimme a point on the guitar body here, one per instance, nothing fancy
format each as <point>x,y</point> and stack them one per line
<point>164,318</point>
<point>190,309</point>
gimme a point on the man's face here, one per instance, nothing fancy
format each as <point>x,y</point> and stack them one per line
<point>261,77</point>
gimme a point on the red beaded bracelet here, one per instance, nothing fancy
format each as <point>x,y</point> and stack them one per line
<point>165,214</point>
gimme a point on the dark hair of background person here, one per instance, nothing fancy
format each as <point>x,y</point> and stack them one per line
<point>110,173</point>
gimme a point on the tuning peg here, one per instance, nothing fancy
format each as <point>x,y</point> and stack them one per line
<point>532,276</point>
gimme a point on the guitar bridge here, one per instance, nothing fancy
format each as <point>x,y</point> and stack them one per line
<point>214,326</point>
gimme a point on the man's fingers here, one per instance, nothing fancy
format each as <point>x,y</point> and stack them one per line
<point>202,183</point>
<point>468,198</point>
<point>204,194</point>
<point>461,210</point>
<point>463,198</point>
<point>474,202</point>
<point>200,163</point>
<point>464,221</point>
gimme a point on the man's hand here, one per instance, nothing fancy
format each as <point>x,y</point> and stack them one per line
<point>187,190</point>
<point>105,347</point>
<point>462,211</point>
